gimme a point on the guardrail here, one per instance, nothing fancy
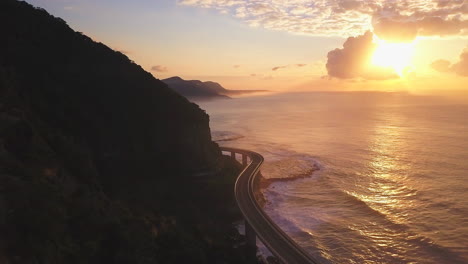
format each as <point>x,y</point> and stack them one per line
<point>258,223</point>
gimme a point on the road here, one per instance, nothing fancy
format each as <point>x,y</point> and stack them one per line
<point>275,239</point>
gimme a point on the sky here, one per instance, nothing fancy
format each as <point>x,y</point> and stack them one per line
<point>285,45</point>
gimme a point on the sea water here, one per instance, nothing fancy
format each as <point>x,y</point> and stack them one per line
<point>359,177</point>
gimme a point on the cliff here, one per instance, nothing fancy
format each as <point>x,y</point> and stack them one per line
<point>97,156</point>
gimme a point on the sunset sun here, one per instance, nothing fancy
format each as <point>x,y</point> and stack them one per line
<point>394,55</point>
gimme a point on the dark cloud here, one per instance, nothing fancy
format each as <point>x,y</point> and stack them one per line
<point>353,60</point>
<point>460,67</point>
<point>159,68</point>
<point>301,65</point>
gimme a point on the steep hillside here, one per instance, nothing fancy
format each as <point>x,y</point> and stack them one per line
<point>96,156</point>
<point>99,96</point>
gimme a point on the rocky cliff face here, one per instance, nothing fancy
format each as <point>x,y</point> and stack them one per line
<point>96,155</point>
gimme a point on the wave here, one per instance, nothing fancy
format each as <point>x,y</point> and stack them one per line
<point>219,136</point>
<point>376,235</point>
<point>289,167</point>
<point>374,228</point>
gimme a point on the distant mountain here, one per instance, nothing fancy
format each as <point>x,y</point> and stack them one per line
<point>195,88</point>
<point>199,89</point>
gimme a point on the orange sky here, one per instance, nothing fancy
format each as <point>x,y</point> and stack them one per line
<point>281,45</point>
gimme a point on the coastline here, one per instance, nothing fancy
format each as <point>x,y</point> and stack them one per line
<point>261,185</point>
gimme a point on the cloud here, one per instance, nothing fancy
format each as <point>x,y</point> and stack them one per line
<point>236,66</point>
<point>279,67</point>
<point>441,65</point>
<point>261,76</point>
<point>405,28</point>
<point>460,67</point>
<point>159,68</point>
<point>288,66</point>
<point>354,60</point>
<point>348,17</point>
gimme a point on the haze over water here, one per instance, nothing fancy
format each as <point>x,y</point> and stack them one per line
<point>379,177</point>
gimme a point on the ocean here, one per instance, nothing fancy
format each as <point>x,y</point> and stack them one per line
<point>359,177</point>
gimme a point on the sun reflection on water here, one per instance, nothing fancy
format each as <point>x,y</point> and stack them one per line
<point>385,190</point>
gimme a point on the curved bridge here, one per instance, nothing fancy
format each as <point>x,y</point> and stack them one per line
<point>257,222</point>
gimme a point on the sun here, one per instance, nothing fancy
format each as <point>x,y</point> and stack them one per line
<point>394,55</point>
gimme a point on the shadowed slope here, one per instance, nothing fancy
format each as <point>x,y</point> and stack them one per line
<point>97,156</point>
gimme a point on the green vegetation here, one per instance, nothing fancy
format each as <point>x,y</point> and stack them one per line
<point>97,157</point>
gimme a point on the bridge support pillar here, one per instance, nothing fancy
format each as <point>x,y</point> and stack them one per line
<point>244,160</point>
<point>251,241</point>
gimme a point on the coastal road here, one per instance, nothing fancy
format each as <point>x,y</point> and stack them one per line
<point>275,239</point>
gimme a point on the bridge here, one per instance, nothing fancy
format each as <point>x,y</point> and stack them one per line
<point>257,222</point>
